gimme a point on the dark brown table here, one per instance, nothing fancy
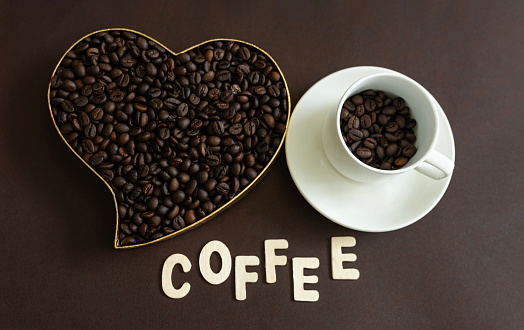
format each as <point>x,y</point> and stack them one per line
<point>458,267</point>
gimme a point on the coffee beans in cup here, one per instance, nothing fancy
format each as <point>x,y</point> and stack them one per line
<point>176,137</point>
<point>378,129</point>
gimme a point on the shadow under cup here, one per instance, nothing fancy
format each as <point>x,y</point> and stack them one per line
<point>422,109</point>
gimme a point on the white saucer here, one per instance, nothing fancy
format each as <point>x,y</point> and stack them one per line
<point>376,207</point>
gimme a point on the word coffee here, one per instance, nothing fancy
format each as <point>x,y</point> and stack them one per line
<point>242,276</point>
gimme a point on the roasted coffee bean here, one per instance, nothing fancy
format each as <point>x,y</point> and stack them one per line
<point>385,166</point>
<point>217,127</point>
<point>243,69</point>
<point>227,96</point>
<point>403,143</point>
<point>176,137</point>
<point>269,120</point>
<point>67,106</point>
<point>128,241</point>
<point>214,94</point>
<point>355,134</point>
<point>400,120</point>
<point>409,151</point>
<point>235,129</point>
<point>410,137</point>
<point>80,101</point>
<point>391,127</point>
<point>244,53</point>
<point>370,143</point>
<point>399,103</point>
<point>363,152</point>
<point>353,146</point>
<point>380,152</point>
<point>183,123</point>
<point>223,75</point>
<point>359,110</point>
<point>178,196</point>
<point>389,110</point>
<point>229,113</point>
<point>97,114</point>
<point>260,90</point>
<point>212,160</point>
<point>194,99</point>
<point>262,147</point>
<point>208,207</point>
<point>410,123</point>
<point>353,122</point>
<point>391,150</point>
<point>83,118</point>
<point>401,161</point>
<point>223,189</point>
<point>190,216</point>
<point>344,113</point>
<point>88,146</point>
<point>357,100</point>
<point>178,222</point>
<point>154,92</point>
<point>365,121</point>
<point>370,105</point>
<point>97,159</point>
<point>116,96</point>
<point>220,172</point>
<point>171,103</point>
<point>390,137</point>
<point>90,131</point>
<point>190,187</point>
<point>182,109</point>
<point>250,128</point>
<point>154,221</point>
<point>378,129</point>
<point>250,173</point>
<point>382,119</point>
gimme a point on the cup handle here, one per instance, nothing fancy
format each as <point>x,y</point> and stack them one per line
<point>436,166</point>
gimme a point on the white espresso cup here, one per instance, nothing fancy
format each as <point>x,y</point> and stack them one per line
<point>426,160</point>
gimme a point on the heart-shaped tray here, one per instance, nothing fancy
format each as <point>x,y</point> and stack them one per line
<point>176,137</point>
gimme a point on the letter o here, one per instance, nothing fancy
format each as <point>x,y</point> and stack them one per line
<point>205,265</point>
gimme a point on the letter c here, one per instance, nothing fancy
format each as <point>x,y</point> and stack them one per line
<point>167,273</point>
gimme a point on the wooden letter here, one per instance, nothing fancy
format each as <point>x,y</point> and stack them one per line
<point>205,264</point>
<point>242,276</point>
<point>273,260</point>
<point>337,258</point>
<point>299,293</point>
<point>167,273</point>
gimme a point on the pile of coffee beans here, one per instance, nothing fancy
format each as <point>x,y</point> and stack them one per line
<point>378,129</point>
<point>176,137</point>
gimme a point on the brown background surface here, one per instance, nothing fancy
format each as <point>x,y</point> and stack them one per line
<point>460,266</point>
